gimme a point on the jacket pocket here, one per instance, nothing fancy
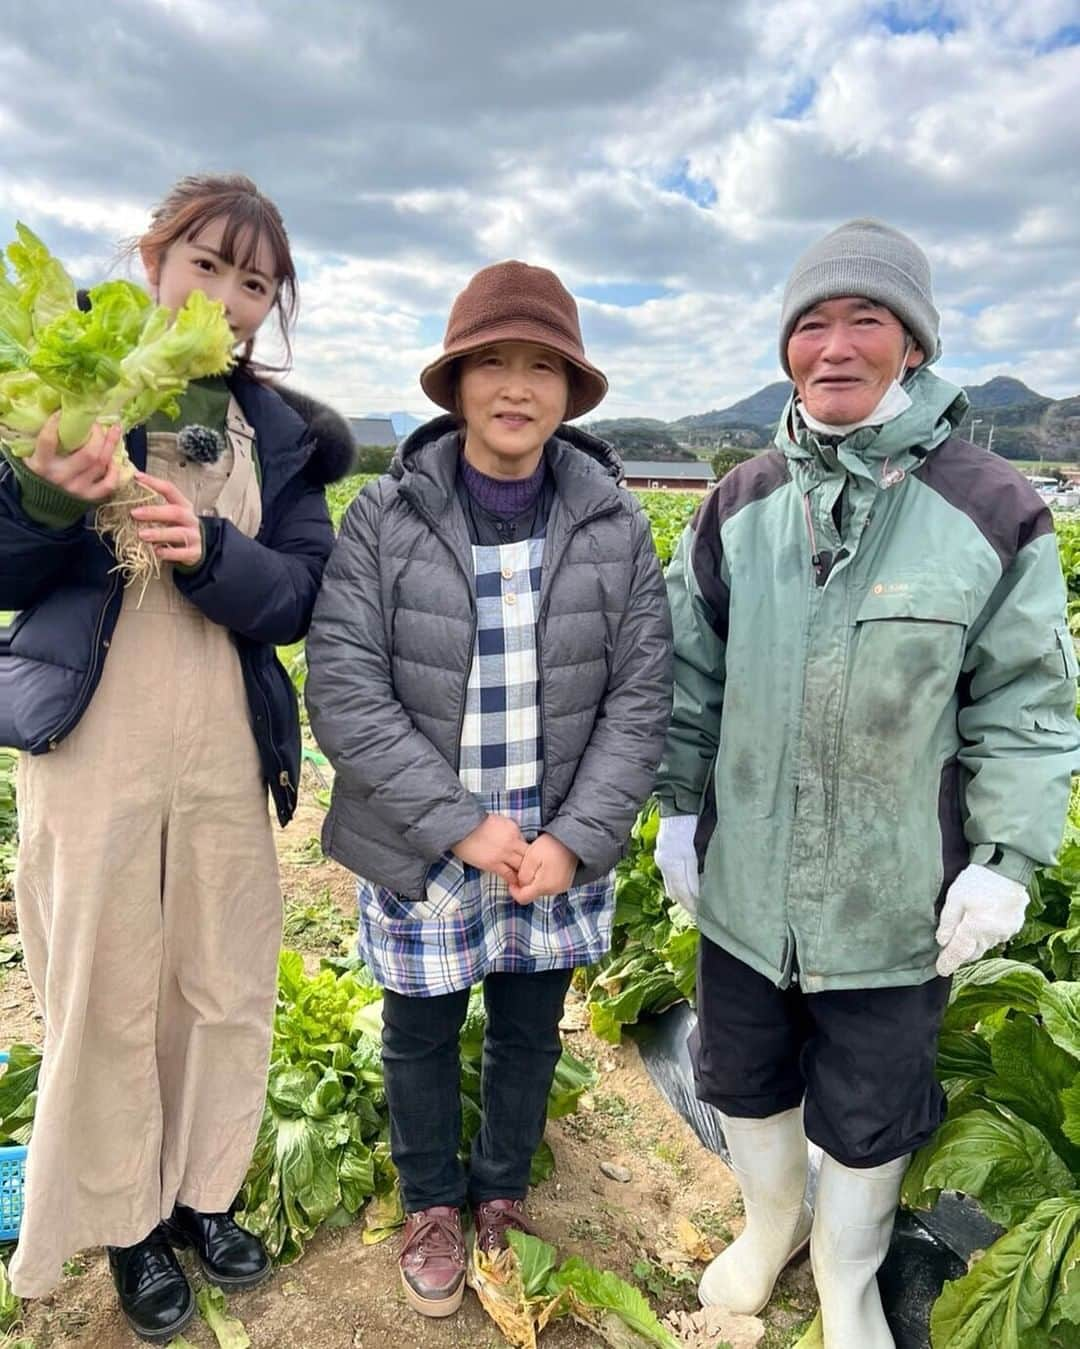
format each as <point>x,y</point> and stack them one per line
<point>907,652</point>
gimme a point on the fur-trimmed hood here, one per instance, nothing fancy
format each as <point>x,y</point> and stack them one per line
<point>334,453</point>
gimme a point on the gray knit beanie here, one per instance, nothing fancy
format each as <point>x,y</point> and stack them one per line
<point>868,258</point>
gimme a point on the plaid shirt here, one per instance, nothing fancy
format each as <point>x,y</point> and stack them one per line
<point>467,925</point>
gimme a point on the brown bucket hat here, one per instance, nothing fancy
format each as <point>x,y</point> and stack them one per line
<point>513,302</point>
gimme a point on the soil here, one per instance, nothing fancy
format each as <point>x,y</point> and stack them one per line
<point>344,1295</point>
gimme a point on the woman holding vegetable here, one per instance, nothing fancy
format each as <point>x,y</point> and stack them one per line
<point>147,885</point>
<point>489,673</point>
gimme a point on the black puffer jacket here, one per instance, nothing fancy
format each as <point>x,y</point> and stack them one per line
<point>64,585</point>
<point>391,645</point>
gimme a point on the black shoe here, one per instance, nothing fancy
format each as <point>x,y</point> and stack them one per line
<point>229,1256</point>
<point>154,1294</point>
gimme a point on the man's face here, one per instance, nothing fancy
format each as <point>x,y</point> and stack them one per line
<point>844,354</point>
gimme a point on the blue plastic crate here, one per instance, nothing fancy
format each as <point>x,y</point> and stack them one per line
<point>12,1175</point>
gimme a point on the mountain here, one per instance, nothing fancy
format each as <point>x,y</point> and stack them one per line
<point>404,422</point>
<point>1025,424</point>
<point>641,438</point>
<point>1002,392</point>
<point>760,409</point>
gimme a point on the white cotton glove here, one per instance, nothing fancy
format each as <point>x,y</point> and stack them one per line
<point>982,909</point>
<point>677,859</point>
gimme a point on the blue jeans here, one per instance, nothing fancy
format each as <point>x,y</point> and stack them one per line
<point>422,1071</point>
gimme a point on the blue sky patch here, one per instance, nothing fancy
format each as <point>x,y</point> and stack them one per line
<point>698,190</point>
<point>799,100</point>
<point>1069,36</point>
<point>899,17</point>
<point>625,294</point>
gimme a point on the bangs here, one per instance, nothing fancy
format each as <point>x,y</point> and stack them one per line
<point>247,224</point>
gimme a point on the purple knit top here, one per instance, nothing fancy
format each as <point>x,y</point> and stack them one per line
<point>505,497</point>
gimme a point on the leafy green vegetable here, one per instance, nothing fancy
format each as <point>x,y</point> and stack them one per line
<point>1059,1005</point>
<point>652,964</point>
<point>996,1157</point>
<point>536,1260</point>
<point>322,1151</point>
<point>992,985</point>
<point>18,1094</point>
<point>121,361</point>
<point>228,1331</point>
<point>614,1310</point>
<point>9,823</point>
<point>1030,1074</point>
<point>1021,1289</point>
<point>10,1304</point>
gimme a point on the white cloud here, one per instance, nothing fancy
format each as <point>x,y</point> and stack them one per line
<point>408,145</point>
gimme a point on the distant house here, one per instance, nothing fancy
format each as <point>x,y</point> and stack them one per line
<point>658,473</point>
<point>374,431</point>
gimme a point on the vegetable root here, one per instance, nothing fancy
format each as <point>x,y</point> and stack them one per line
<point>135,558</point>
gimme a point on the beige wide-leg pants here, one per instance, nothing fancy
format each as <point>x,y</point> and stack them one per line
<point>150,911</point>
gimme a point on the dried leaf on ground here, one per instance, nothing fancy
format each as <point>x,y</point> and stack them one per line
<point>703,1328</point>
<point>691,1241</point>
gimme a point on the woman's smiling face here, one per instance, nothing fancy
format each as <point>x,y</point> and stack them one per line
<point>512,396</point>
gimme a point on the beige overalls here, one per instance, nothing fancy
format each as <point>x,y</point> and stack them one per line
<point>150,911</point>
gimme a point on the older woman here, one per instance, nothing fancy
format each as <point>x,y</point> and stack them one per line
<point>870,754</point>
<point>489,673</point>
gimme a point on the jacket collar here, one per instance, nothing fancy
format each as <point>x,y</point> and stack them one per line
<point>937,408</point>
<point>586,470</point>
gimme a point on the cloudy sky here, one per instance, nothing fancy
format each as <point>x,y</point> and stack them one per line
<point>669,160</point>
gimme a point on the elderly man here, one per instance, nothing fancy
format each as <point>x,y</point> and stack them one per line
<point>870,754</point>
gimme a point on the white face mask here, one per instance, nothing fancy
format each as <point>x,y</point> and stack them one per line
<point>894,401</point>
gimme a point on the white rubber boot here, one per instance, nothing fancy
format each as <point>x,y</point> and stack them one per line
<point>855,1212</point>
<point>769,1158</point>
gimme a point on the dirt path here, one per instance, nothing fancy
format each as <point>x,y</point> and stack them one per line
<point>344,1295</point>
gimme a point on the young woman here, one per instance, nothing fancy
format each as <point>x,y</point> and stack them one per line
<point>147,885</point>
<point>489,673</point>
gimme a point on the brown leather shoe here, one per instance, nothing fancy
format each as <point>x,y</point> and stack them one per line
<point>432,1261</point>
<point>494,1217</point>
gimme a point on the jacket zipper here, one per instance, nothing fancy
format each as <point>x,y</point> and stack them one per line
<point>548,580</point>
<point>283,778</point>
<point>429,520</point>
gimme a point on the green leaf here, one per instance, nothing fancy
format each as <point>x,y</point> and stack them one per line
<point>1015,1292</point>
<point>10,1304</point>
<point>963,1054</point>
<point>383,1216</point>
<point>536,1261</point>
<point>18,1093</point>
<point>1059,1005</point>
<point>572,1078</point>
<point>995,1157</point>
<point>680,953</point>
<point>228,1331</point>
<point>603,1024</point>
<point>595,1292</point>
<point>47,290</point>
<point>542,1166</point>
<point>1070,1104</point>
<point>1030,1073</point>
<point>990,985</point>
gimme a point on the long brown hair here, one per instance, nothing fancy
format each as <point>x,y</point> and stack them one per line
<point>250,217</point>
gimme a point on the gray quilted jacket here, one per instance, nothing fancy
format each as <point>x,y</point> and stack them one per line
<point>391,644</point>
